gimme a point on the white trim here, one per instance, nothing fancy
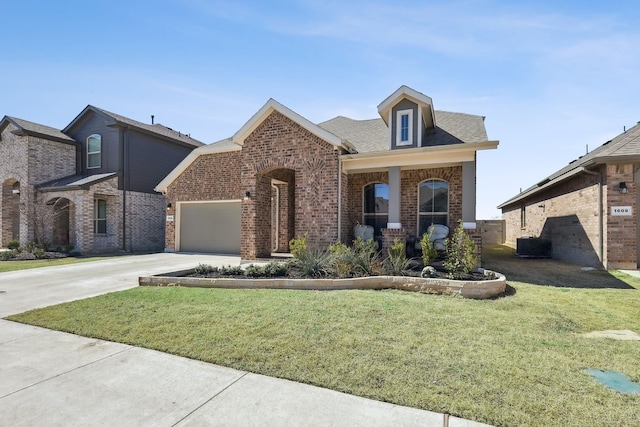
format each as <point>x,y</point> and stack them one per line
<point>469,225</point>
<point>399,115</point>
<point>403,92</point>
<point>394,225</point>
<point>415,158</point>
<point>390,129</point>
<point>99,152</point>
<point>419,144</point>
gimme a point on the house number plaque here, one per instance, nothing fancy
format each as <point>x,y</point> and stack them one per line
<point>169,218</point>
<point>621,211</point>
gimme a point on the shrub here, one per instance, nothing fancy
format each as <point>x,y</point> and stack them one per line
<point>275,269</point>
<point>13,244</point>
<point>68,249</point>
<point>230,270</point>
<point>298,246</point>
<point>429,253</point>
<point>38,253</point>
<point>396,263</point>
<point>366,260</point>
<point>7,255</point>
<point>204,269</point>
<point>343,264</point>
<point>461,253</point>
<point>314,264</point>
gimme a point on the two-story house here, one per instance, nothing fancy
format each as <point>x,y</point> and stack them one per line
<point>281,176</point>
<point>90,185</point>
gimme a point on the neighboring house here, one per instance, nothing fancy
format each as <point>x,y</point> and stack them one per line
<point>281,176</point>
<point>588,209</point>
<point>88,186</point>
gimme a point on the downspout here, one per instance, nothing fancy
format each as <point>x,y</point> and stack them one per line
<point>277,215</point>
<point>600,214</point>
<point>339,198</point>
<point>125,185</point>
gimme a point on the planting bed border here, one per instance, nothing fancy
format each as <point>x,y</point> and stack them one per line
<point>475,289</point>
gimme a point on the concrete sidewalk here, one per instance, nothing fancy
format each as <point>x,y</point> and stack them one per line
<point>57,379</point>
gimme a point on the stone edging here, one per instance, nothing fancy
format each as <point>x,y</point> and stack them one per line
<point>479,289</point>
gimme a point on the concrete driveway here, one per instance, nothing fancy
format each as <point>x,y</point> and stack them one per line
<point>57,379</point>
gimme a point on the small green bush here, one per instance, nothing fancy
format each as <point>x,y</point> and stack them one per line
<point>314,264</point>
<point>13,244</point>
<point>68,249</point>
<point>396,263</point>
<point>367,257</point>
<point>429,253</point>
<point>461,253</point>
<point>204,269</point>
<point>7,255</point>
<point>275,269</point>
<point>298,246</point>
<point>38,253</point>
<point>230,270</point>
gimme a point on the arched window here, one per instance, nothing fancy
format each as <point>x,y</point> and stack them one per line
<point>94,151</point>
<point>375,210</point>
<point>433,204</point>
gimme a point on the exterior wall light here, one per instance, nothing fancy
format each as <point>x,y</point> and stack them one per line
<point>247,195</point>
<point>168,206</point>
<point>623,187</point>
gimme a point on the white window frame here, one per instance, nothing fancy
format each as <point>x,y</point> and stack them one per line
<point>96,218</point>
<point>399,114</point>
<point>420,213</point>
<point>97,153</point>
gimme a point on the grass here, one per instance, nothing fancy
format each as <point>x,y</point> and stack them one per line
<point>516,360</point>
<point>26,264</point>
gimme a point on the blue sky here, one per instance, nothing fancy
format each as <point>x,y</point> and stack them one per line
<point>551,77</point>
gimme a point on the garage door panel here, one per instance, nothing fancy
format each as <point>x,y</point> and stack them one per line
<point>210,227</point>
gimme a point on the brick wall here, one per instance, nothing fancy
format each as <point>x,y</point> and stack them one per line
<point>29,161</point>
<point>279,144</point>
<point>213,176</point>
<point>409,181</point>
<point>620,231</point>
<point>567,214</point>
<point>145,221</point>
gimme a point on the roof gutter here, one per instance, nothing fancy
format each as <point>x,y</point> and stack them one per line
<point>542,186</point>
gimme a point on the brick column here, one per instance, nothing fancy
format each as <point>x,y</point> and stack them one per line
<point>389,235</point>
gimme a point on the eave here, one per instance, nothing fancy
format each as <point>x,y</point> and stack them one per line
<point>413,158</point>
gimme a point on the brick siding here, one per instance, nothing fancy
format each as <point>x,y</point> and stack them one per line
<point>568,214</point>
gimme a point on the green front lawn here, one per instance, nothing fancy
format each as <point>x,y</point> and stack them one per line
<point>37,263</point>
<point>516,360</point>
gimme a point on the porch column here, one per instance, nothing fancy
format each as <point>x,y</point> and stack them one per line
<point>394,228</point>
<point>469,195</point>
<point>394,198</point>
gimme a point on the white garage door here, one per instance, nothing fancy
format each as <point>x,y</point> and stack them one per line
<point>210,227</point>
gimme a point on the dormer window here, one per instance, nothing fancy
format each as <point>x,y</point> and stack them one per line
<point>404,127</point>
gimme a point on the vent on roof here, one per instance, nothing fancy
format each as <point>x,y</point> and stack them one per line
<point>606,143</point>
<point>573,161</point>
<point>543,182</point>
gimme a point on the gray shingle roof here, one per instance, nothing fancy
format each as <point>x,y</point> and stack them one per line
<point>37,129</point>
<point>625,145</point>
<point>74,182</point>
<point>373,135</point>
<point>157,128</point>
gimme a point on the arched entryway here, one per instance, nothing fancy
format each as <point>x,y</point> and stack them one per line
<point>274,203</point>
<point>62,210</point>
<point>10,211</point>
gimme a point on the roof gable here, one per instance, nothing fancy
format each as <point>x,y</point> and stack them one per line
<point>118,120</point>
<point>273,105</point>
<point>25,127</point>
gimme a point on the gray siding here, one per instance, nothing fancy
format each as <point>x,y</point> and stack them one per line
<point>405,104</point>
<point>88,125</point>
<point>149,159</point>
